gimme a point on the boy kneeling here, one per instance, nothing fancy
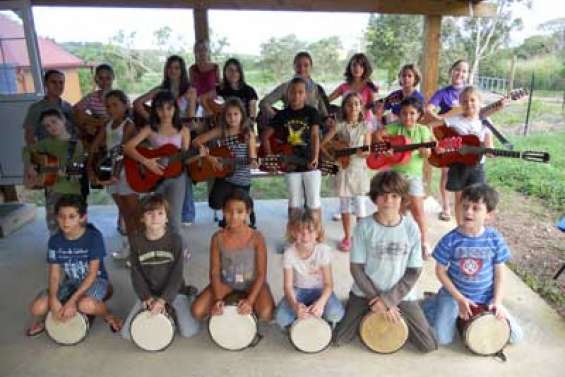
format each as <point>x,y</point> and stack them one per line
<point>386,261</point>
<point>78,280</point>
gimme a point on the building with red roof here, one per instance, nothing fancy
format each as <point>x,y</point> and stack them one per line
<point>15,64</point>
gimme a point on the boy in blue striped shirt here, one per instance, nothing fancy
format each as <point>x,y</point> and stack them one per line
<point>470,266</point>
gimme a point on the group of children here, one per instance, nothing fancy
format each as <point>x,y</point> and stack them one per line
<point>387,248</point>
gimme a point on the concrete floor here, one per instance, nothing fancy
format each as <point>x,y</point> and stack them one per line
<point>23,273</point>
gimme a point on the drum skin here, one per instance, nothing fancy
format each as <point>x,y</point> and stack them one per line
<point>310,335</point>
<point>484,334</point>
<point>152,332</point>
<point>233,331</point>
<point>68,333</point>
<point>382,336</point>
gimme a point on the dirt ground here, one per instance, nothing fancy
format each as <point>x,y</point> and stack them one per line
<point>537,245</point>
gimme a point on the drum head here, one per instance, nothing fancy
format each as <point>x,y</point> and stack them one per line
<point>231,330</point>
<point>310,334</point>
<point>69,332</point>
<point>486,335</point>
<point>152,332</point>
<point>382,336</point>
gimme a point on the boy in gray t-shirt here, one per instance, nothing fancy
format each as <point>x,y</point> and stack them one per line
<point>386,261</point>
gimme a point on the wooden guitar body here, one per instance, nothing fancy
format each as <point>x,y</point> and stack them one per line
<point>453,157</point>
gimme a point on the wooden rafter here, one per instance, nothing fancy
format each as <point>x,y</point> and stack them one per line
<point>425,7</point>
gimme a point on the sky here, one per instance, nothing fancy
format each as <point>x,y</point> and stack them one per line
<point>245,30</point>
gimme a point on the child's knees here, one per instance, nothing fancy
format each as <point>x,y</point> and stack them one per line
<point>39,306</point>
<point>265,314</point>
<point>87,305</point>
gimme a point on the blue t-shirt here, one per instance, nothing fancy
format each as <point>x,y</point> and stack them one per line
<point>471,260</point>
<point>446,98</point>
<point>74,255</point>
<point>395,106</point>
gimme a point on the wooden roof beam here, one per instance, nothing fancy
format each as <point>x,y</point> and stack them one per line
<point>425,7</point>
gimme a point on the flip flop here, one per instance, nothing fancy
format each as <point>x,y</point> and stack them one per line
<point>444,216</point>
<point>114,323</point>
<point>35,329</point>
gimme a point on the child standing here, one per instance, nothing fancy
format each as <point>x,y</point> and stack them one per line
<point>59,144</point>
<point>441,102</point>
<point>308,282</point>
<point>408,78</point>
<point>165,128</point>
<point>410,111</point>
<point>358,80</point>
<point>299,126</point>
<point>470,266</point>
<point>234,123</point>
<point>459,175</point>
<point>386,261</point>
<point>353,181</point>
<point>157,268</point>
<point>78,280</point>
<point>203,74</point>
<point>119,130</point>
<point>238,262</point>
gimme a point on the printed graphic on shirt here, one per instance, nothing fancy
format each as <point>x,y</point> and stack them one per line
<point>296,129</point>
<point>390,250</point>
<point>470,266</point>
<point>471,259</point>
<point>74,262</point>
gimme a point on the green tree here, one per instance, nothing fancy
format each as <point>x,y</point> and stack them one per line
<point>277,55</point>
<point>163,38</point>
<point>326,56</point>
<point>393,40</point>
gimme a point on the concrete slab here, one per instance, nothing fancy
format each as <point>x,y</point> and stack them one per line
<point>23,273</point>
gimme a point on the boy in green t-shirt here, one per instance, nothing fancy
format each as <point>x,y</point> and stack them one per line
<point>58,144</point>
<point>410,110</point>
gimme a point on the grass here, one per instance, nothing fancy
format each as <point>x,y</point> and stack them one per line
<point>544,181</point>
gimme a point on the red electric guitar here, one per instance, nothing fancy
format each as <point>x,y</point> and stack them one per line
<point>402,149</point>
<point>169,156</point>
<point>472,151</point>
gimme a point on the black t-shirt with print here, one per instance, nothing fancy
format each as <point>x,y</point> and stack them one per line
<point>246,93</point>
<point>294,127</point>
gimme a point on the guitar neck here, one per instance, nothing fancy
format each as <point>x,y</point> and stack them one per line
<point>350,151</point>
<point>496,152</point>
<point>411,147</point>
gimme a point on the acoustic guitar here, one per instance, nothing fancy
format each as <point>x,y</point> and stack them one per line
<point>402,150</point>
<point>340,152</point>
<point>284,160</point>
<point>169,156</point>
<point>49,169</point>
<point>109,164</point>
<point>472,151</point>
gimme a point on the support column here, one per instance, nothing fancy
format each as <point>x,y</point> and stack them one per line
<point>430,73</point>
<point>201,31</point>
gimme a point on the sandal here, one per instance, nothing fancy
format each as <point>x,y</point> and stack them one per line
<point>35,329</point>
<point>114,323</point>
<point>444,216</point>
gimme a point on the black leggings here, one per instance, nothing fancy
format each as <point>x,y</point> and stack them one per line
<point>221,190</point>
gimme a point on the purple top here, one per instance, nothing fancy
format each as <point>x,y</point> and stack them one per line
<point>395,106</point>
<point>446,98</point>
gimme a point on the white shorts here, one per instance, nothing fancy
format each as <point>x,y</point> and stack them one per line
<point>304,188</point>
<point>416,185</point>
<point>356,205</point>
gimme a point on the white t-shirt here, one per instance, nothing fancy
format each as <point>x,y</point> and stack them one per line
<point>307,273</point>
<point>467,126</point>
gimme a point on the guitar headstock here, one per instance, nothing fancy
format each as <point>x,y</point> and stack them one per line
<point>516,94</point>
<point>535,156</point>
<point>327,167</point>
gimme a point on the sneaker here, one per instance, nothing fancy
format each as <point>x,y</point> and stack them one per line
<point>120,255</point>
<point>187,223</point>
<point>336,216</point>
<point>345,245</point>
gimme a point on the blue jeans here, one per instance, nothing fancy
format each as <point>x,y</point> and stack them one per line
<point>442,311</point>
<point>285,315</point>
<point>188,210</point>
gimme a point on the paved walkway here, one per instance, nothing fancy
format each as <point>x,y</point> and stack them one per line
<point>23,273</point>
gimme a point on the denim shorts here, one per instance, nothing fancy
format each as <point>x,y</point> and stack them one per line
<point>97,291</point>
